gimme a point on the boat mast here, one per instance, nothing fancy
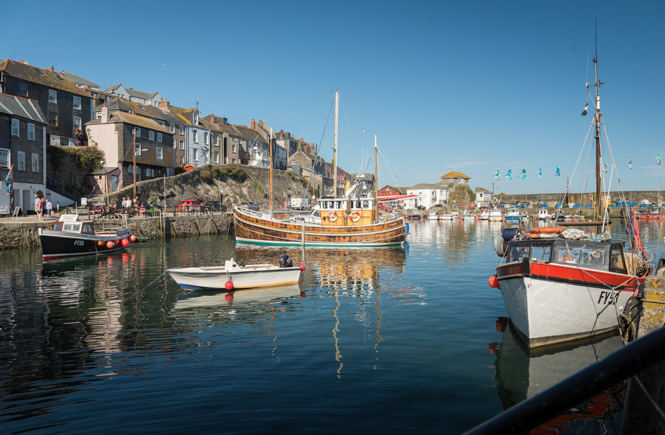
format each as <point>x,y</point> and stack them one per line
<point>270,148</point>
<point>599,202</point>
<point>335,153</point>
<point>376,180</point>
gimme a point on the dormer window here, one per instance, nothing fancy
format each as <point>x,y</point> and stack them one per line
<point>196,119</point>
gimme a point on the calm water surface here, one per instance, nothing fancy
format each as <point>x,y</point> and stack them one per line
<point>372,341</point>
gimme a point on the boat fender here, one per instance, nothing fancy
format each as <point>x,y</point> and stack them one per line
<point>407,228</point>
<point>110,244</point>
<point>228,285</point>
<point>124,243</point>
<point>100,243</point>
<point>494,282</point>
<point>355,216</point>
<point>302,267</point>
<point>132,238</point>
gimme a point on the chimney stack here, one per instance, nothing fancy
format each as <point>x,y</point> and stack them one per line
<point>164,105</point>
<point>105,114</point>
<point>253,125</point>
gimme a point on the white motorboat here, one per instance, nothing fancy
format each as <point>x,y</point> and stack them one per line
<point>544,215</point>
<point>236,275</point>
<point>495,216</point>
<point>433,216</point>
<point>449,216</point>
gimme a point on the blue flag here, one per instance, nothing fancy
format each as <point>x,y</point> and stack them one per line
<point>523,174</point>
<point>658,160</point>
<point>509,174</point>
<point>630,163</point>
<point>558,172</point>
<point>497,175</point>
<point>540,173</point>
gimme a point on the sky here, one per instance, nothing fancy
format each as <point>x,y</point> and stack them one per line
<point>470,86</point>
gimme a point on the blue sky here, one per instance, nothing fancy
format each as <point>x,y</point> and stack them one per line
<point>474,87</point>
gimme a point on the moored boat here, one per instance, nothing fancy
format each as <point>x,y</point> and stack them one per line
<point>236,275</point>
<point>433,216</point>
<point>495,216</point>
<point>655,213</point>
<point>70,237</point>
<point>562,284</point>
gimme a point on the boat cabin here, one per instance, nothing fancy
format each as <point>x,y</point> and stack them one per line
<point>581,253</point>
<point>357,207</point>
<point>71,224</point>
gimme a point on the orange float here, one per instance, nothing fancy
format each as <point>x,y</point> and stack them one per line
<point>546,230</point>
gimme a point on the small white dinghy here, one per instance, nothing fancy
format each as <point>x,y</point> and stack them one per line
<point>236,275</point>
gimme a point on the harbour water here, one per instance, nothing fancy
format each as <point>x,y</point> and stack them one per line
<point>371,341</point>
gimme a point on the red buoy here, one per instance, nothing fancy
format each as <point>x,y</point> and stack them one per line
<point>302,267</point>
<point>494,282</point>
<point>110,244</point>
<point>132,238</point>
<point>124,243</point>
<point>228,285</point>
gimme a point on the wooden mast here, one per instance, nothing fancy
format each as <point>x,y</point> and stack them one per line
<point>270,148</point>
<point>599,207</point>
<point>376,180</point>
<point>335,153</point>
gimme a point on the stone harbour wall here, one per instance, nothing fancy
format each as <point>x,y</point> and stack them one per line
<point>15,235</point>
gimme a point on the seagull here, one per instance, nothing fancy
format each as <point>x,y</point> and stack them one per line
<point>363,130</point>
<point>164,64</point>
<point>585,109</point>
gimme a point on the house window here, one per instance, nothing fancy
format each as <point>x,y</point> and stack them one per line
<point>181,129</point>
<point>161,123</point>
<point>15,125</point>
<point>130,169</point>
<point>173,142</point>
<point>52,96</point>
<point>21,161</point>
<point>160,153</point>
<point>77,102</point>
<point>138,132</point>
<point>138,149</point>
<point>35,162</point>
<point>151,135</point>
<point>172,125</point>
<point>31,131</point>
<point>216,154</point>
<point>182,144</point>
<point>195,134</point>
<point>159,137</point>
<point>77,122</point>
<point>196,119</point>
<point>182,159</point>
<point>233,148</point>
<point>196,155</point>
<point>4,158</point>
<point>53,118</point>
<point>23,89</point>
<point>205,137</point>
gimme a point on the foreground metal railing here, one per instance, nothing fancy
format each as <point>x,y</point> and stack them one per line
<point>593,380</point>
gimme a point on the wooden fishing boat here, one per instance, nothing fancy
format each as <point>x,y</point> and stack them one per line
<point>235,275</point>
<point>562,284</point>
<point>350,221</point>
<point>70,237</point>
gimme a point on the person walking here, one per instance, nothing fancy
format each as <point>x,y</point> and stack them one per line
<point>49,208</point>
<point>38,207</point>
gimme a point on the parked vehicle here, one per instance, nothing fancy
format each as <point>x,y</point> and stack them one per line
<point>250,205</point>
<point>190,205</point>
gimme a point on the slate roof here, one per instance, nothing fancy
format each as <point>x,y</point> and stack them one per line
<point>131,92</point>
<point>78,81</point>
<point>482,190</point>
<point>40,76</point>
<point>129,118</point>
<point>120,104</point>
<point>452,174</point>
<point>424,186</point>
<point>21,107</point>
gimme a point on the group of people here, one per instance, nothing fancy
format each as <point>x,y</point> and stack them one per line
<point>43,207</point>
<point>128,204</point>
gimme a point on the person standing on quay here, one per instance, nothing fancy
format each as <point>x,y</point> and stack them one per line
<point>49,208</point>
<point>38,207</point>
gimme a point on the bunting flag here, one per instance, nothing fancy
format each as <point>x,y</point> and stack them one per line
<point>540,173</point>
<point>497,175</point>
<point>509,174</point>
<point>586,108</point>
<point>558,172</point>
<point>523,174</point>
<point>658,160</point>
<point>605,167</point>
<point>630,163</point>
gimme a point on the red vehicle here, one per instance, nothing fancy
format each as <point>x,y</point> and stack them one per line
<point>190,205</point>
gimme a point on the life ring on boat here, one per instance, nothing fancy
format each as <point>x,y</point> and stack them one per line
<point>547,230</point>
<point>355,216</point>
<point>332,216</point>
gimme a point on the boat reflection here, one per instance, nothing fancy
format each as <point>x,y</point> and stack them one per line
<point>238,298</point>
<point>521,374</point>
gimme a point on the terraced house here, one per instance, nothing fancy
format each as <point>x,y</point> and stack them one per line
<point>67,107</point>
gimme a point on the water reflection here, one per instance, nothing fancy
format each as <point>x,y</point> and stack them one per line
<point>521,373</point>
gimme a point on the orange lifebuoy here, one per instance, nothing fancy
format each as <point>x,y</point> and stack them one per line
<point>547,230</point>
<point>355,216</point>
<point>332,216</point>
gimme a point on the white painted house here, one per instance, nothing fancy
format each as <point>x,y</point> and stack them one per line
<point>429,195</point>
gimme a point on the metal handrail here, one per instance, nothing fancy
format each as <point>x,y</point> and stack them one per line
<point>585,384</point>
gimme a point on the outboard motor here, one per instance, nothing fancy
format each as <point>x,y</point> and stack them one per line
<point>285,261</point>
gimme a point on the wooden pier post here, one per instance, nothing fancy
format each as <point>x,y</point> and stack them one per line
<point>645,389</point>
